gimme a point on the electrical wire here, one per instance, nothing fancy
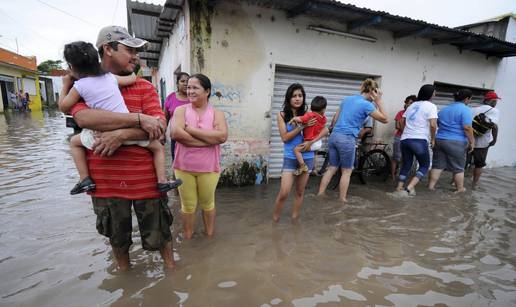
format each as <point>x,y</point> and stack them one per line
<point>21,24</point>
<point>114,13</point>
<point>66,13</point>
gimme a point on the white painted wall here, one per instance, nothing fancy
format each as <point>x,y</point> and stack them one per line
<point>57,85</point>
<point>175,52</point>
<point>248,41</point>
<point>504,152</point>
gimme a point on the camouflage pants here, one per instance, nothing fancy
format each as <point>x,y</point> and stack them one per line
<point>115,222</point>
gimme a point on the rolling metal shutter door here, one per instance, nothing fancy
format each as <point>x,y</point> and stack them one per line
<point>330,85</point>
<point>444,97</point>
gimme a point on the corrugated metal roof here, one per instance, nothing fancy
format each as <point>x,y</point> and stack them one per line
<point>152,23</point>
<point>142,20</point>
<point>355,17</point>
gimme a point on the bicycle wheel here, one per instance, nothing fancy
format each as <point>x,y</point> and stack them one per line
<point>324,164</point>
<point>374,166</point>
<point>335,180</point>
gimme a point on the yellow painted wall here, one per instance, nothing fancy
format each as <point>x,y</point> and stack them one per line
<point>35,100</point>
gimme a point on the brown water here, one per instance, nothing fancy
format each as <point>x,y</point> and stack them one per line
<point>437,248</point>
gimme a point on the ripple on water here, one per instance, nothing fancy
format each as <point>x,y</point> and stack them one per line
<point>333,294</point>
<point>423,251</point>
<point>227,284</point>
<point>409,268</point>
<point>441,250</point>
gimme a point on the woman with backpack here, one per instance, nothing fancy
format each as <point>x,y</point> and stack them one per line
<point>485,129</point>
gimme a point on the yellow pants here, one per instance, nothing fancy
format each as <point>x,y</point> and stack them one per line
<point>197,188</point>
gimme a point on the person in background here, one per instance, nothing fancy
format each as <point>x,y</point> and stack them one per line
<point>485,138</point>
<point>346,125</point>
<point>174,100</point>
<point>13,100</point>
<point>396,149</point>
<point>21,97</point>
<point>366,130</point>
<point>199,129</point>
<point>419,124</point>
<point>293,105</point>
<point>454,139</point>
<point>26,102</point>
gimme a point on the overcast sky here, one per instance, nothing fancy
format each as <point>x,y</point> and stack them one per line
<point>42,27</point>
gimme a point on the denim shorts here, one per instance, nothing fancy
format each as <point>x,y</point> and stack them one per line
<point>290,165</point>
<point>450,155</point>
<point>341,148</point>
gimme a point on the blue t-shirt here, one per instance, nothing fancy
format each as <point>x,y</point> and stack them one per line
<point>451,121</point>
<point>288,147</point>
<point>353,112</point>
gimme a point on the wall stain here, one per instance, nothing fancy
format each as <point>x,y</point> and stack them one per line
<point>200,32</point>
<point>243,173</point>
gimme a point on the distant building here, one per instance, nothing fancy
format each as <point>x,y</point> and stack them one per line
<point>17,73</point>
<point>503,28</point>
<point>253,50</point>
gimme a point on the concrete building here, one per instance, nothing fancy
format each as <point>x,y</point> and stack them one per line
<point>253,50</point>
<point>504,28</point>
<point>17,73</point>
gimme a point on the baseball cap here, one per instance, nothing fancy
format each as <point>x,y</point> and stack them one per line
<point>119,34</point>
<point>491,95</point>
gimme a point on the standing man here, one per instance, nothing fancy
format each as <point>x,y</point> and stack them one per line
<point>125,175</point>
<point>486,131</point>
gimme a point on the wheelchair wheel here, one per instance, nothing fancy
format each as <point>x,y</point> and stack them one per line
<point>374,166</point>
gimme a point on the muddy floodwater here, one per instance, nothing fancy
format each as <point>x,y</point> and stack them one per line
<point>434,249</point>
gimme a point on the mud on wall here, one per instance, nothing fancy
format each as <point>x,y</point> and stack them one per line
<point>225,48</point>
<point>200,32</point>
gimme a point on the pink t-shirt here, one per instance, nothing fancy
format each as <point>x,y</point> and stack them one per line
<point>198,159</point>
<point>172,102</point>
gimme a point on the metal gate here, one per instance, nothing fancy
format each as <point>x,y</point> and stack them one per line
<point>444,95</point>
<point>333,86</point>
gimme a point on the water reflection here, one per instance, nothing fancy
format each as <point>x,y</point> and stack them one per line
<point>437,248</point>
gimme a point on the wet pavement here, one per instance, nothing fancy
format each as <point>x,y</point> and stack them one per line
<point>436,248</point>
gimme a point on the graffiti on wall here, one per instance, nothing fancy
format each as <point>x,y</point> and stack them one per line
<point>224,94</point>
<point>242,156</point>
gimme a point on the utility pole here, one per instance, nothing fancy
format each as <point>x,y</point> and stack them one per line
<point>16,40</point>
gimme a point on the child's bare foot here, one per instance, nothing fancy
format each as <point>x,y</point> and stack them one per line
<point>275,217</point>
<point>460,191</point>
<point>343,200</point>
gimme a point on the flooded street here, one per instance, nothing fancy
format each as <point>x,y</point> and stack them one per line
<point>436,248</point>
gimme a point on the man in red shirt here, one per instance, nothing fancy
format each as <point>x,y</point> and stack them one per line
<point>125,175</point>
